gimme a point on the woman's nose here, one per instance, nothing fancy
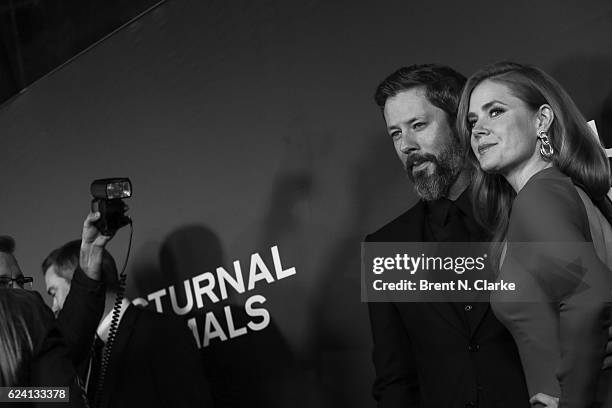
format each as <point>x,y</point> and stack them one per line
<point>479,129</point>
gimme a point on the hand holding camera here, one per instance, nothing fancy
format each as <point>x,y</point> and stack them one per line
<point>92,246</point>
<point>106,217</point>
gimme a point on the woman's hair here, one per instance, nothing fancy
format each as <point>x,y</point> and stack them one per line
<point>578,152</point>
<point>16,345</point>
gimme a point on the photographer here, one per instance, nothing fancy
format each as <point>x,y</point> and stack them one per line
<point>152,360</point>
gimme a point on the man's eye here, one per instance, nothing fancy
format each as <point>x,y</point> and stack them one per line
<point>396,134</point>
<point>496,112</point>
<point>418,125</point>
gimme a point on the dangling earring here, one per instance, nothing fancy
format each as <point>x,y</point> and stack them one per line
<point>546,149</point>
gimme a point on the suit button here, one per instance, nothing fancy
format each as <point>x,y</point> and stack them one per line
<point>473,347</point>
<point>468,308</point>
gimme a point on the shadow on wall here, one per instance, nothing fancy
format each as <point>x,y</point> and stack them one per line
<point>248,370</point>
<point>342,343</point>
<point>287,223</point>
<point>290,192</point>
<point>337,348</point>
<point>261,368</point>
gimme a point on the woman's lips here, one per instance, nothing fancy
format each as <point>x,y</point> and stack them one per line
<point>482,149</point>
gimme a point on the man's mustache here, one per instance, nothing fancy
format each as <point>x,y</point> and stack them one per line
<point>417,158</point>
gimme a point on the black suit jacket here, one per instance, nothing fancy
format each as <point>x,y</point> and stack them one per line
<point>439,354</point>
<point>154,363</point>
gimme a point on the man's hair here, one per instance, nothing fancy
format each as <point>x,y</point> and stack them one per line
<point>442,85</point>
<point>7,244</point>
<point>66,260</point>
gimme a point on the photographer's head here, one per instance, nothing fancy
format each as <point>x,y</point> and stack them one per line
<point>59,267</point>
<point>419,104</point>
<point>10,273</point>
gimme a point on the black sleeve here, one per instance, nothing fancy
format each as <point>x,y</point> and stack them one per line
<point>396,383</point>
<point>81,314</point>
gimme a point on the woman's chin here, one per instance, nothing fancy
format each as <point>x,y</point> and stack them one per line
<point>488,167</point>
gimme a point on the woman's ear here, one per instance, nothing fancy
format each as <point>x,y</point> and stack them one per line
<point>544,118</point>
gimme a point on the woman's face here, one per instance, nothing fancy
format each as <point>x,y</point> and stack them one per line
<point>504,130</point>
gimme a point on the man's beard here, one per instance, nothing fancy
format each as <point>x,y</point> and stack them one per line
<point>446,168</point>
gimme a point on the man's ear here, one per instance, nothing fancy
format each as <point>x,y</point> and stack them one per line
<point>544,118</point>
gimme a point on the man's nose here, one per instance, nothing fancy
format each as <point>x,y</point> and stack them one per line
<point>408,144</point>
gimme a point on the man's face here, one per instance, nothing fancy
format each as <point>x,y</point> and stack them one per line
<point>424,141</point>
<point>8,266</point>
<point>57,286</point>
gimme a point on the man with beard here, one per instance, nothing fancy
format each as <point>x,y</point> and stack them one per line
<point>437,354</point>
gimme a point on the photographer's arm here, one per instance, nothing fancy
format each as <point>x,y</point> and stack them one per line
<point>92,247</point>
<point>84,304</point>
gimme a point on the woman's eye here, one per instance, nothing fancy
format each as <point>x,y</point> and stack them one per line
<point>471,123</point>
<point>496,112</point>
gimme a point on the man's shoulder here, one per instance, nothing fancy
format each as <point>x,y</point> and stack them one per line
<point>157,329</point>
<point>153,318</point>
<point>407,225</point>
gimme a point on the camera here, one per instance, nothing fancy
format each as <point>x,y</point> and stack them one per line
<point>108,201</point>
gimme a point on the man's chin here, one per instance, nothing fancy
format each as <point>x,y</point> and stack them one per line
<point>421,172</point>
<point>426,193</point>
<point>429,187</point>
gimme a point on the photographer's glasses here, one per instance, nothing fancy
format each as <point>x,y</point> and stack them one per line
<point>22,282</point>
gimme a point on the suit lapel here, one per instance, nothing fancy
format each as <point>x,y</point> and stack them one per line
<point>448,312</point>
<point>479,311</point>
<point>413,226</point>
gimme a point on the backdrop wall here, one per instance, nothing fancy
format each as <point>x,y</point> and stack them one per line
<point>246,125</point>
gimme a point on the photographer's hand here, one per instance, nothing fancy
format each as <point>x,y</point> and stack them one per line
<point>92,247</point>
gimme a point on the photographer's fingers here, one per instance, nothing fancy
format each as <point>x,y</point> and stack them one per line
<point>89,229</point>
<point>92,247</point>
<point>91,234</point>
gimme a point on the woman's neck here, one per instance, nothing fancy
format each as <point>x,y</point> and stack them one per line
<point>520,175</point>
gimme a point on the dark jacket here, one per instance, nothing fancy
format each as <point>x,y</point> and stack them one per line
<point>440,354</point>
<point>154,360</point>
